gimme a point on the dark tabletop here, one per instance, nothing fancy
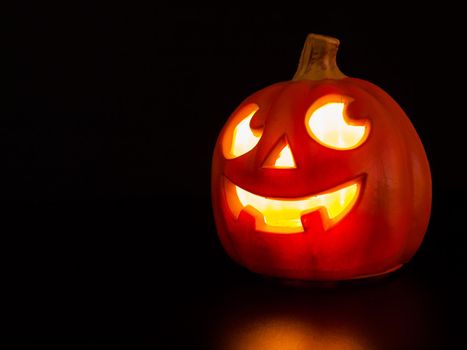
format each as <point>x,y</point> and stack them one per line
<point>109,271</point>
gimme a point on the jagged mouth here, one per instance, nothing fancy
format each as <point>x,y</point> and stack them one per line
<point>285,215</point>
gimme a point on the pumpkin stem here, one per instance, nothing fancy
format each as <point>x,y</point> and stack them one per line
<point>318,59</point>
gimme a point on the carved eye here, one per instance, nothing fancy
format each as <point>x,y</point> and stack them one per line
<point>240,138</point>
<point>328,124</point>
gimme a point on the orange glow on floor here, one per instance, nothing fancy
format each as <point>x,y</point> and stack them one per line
<point>289,334</point>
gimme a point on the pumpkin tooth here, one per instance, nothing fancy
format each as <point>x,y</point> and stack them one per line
<point>284,215</point>
<point>315,221</point>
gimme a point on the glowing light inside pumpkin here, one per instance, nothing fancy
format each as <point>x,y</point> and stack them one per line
<point>244,138</point>
<point>281,157</point>
<point>328,126</point>
<point>283,215</point>
<point>285,159</point>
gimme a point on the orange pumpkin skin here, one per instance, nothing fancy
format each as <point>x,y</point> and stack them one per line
<point>386,225</point>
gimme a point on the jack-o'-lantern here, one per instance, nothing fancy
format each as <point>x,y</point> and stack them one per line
<point>320,178</point>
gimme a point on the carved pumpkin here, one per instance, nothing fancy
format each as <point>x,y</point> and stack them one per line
<point>320,178</point>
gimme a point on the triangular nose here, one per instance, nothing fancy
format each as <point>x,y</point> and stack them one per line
<point>281,156</point>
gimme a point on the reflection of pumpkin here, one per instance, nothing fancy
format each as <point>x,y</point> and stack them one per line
<point>321,178</point>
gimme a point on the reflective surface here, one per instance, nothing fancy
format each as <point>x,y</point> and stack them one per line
<point>104,272</point>
<point>392,313</point>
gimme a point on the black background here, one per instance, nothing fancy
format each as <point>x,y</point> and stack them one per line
<point>106,197</point>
